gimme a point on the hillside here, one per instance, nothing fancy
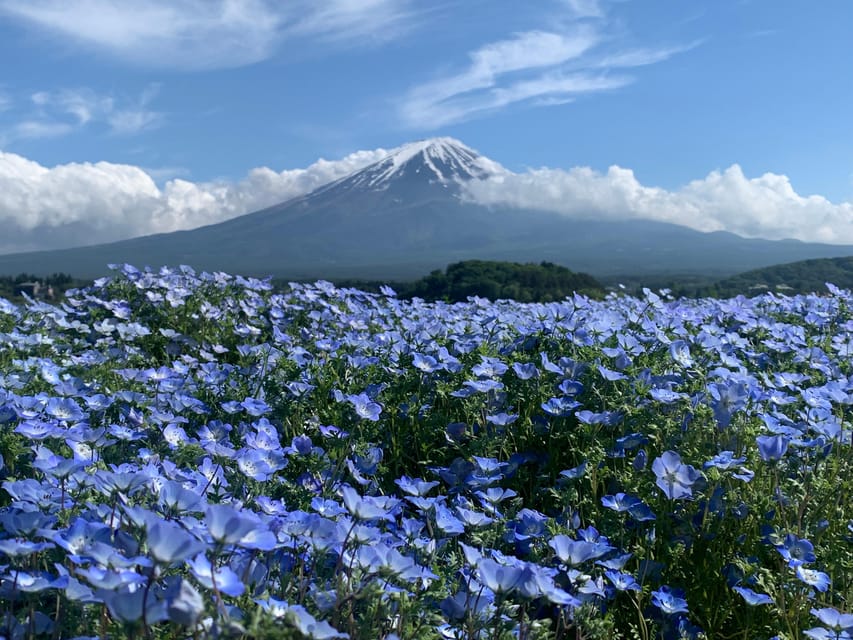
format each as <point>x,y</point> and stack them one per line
<point>805,276</point>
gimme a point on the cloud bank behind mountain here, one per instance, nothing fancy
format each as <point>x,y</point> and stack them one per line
<point>88,203</point>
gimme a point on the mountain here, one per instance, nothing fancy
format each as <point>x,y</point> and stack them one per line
<point>405,215</point>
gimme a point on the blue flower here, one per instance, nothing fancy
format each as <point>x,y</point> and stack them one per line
<point>669,600</point>
<point>223,577</point>
<point>168,543</point>
<point>674,478</point>
<point>415,486</point>
<point>834,619</point>
<point>772,448</point>
<point>726,399</point>
<point>817,579</point>
<point>364,508</point>
<point>309,626</point>
<point>365,407</point>
<point>796,551</point>
<point>622,581</point>
<point>500,578</point>
<point>751,597</point>
<point>525,371</point>
<point>184,603</point>
<point>575,552</point>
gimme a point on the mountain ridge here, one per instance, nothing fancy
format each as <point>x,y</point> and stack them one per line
<point>404,216</point>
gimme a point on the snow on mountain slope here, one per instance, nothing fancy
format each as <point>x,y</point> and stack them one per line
<point>438,160</point>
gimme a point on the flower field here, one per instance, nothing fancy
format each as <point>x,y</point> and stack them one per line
<point>196,456</point>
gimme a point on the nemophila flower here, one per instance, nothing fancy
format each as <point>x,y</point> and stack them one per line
<point>501,419</point>
<point>639,461</point>
<point>128,603</point>
<point>817,579</point>
<point>489,368</point>
<point>674,478</point>
<point>525,371</point>
<point>184,603</point>
<point>560,406</point>
<point>670,601</point>
<point>620,502</point>
<point>493,496</point>
<point>820,633</point>
<point>473,518</point>
<point>834,619</point>
<point>726,399</point>
<point>615,563</point>
<point>365,508</point>
<point>772,448</point>
<point>425,363</point>
<point>751,597</point>
<point>796,551</point>
<point>679,351</point>
<point>301,445</point>
<point>631,441</point>
<point>227,525</point>
<point>26,523</point>
<point>38,429</point>
<point>365,407</point>
<point>528,523</point>
<point>576,552</point>
<point>19,548</point>
<point>606,418</point>
<point>415,486</point>
<point>448,523</point>
<point>622,581</point>
<point>575,473</point>
<point>224,578</point>
<point>65,409</point>
<point>666,396</point>
<point>175,498</point>
<point>110,580</point>
<point>500,578</point>
<point>309,626</point>
<point>168,543</point>
<point>255,464</point>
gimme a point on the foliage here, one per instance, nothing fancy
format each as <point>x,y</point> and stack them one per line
<point>9,285</point>
<point>198,455</point>
<point>791,278</point>
<point>543,282</point>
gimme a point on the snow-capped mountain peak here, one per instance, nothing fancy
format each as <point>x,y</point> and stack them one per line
<point>438,160</point>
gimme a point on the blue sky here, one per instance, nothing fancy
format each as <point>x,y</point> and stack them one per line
<point>160,107</point>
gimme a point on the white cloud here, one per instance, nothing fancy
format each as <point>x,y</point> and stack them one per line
<point>76,204</point>
<point>766,206</point>
<point>207,34</point>
<point>61,112</point>
<point>539,67</point>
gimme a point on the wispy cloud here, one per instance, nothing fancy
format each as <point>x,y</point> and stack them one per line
<point>208,34</point>
<point>539,67</point>
<point>585,8</point>
<point>354,20</point>
<point>64,111</point>
<point>30,129</point>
